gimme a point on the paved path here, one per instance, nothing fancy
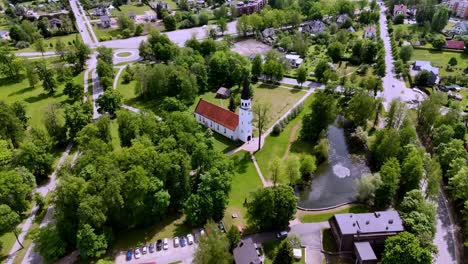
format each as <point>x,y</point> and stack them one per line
<point>81,22</point>
<point>42,190</point>
<point>259,172</point>
<point>445,238</point>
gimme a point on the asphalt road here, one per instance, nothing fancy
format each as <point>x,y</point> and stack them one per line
<point>81,23</point>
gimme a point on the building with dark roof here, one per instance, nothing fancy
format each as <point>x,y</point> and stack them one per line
<point>455,44</point>
<point>105,21</point>
<point>250,7</point>
<point>223,92</point>
<point>229,124</point>
<point>370,228</point>
<point>246,252</point>
<point>400,9</point>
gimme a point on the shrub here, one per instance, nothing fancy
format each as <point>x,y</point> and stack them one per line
<point>22,44</point>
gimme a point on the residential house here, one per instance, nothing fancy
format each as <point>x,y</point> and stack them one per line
<point>455,44</point>
<point>223,93</point>
<point>229,124</point>
<point>150,16</point>
<point>5,35</point>
<point>294,60</point>
<point>314,27</point>
<point>132,15</point>
<point>250,7</point>
<point>426,65</point>
<point>247,252</point>
<point>364,234</point>
<point>55,23</point>
<point>460,28</point>
<point>400,9</point>
<point>459,8</point>
<point>105,21</point>
<point>341,19</point>
<point>370,32</point>
<point>155,5</point>
<point>100,11</point>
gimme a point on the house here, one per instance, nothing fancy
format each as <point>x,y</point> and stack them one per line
<point>455,44</point>
<point>100,11</point>
<point>105,21</point>
<point>351,29</point>
<point>268,35</point>
<point>223,93</point>
<point>314,27</point>
<point>250,7</point>
<point>341,19</point>
<point>294,60</point>
<point>150,16</point>
<point>426,65</point>
<point>459,8</point>
<point>364,234</point>
<point>55,23</point>
<point>460,28</point>
<point>200,3</point>
<point>400,9</point>
<point>247,252</point>
<point>155,5</point>
<point>132,15</point>
<point>5,35</point>
<point>370,32</point>
<point>225,122</point>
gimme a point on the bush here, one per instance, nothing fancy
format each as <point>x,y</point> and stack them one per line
<point>321,150</point>
<point>22,44</point>
<point>277,129</point>
<point>126,33</point>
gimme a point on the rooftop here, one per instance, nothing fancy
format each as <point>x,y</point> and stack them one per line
<point>246,252</point>
<point>218,114</point>
<point>426,65</point>
<point>367,223</point>
<point>364,251</point>
<point>455,44</point>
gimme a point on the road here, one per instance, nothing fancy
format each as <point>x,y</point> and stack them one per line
<point>81,22</point>
<point>393,88</point>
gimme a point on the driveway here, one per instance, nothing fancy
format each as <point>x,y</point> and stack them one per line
<point>311,238</point>
<point>182,254</point>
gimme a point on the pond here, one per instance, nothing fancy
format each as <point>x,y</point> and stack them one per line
<point>333,182</point>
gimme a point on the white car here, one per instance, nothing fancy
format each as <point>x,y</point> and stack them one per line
<point>165,244</point>
<point>176,241</point>
<point>144,249</point>
<point>137,253</point>
<point>202,232</point>
<point>190,239</point>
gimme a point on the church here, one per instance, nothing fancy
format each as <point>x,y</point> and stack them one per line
<point>231,125</point>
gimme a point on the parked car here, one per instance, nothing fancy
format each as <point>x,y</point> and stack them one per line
<point>166,244</point>
<point>144,249</point>
<point>282,234</point>
<point>176,241</point>
<point>159,245</point>
<point>195,238</point>
<point>151,247</point>
<point>129,255</point>
<point>137,253</point>
<point>221,227</point>
<point>183,241</point>
<point>202,231</point>
<point>190,239</point>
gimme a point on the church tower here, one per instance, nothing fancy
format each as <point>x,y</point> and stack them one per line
<point>245,113</point>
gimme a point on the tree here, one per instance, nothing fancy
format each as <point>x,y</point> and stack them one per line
<point>222,25</point>
<point>77,116</point>
<point>47,77</point>
<point>31,74</point>
<point>272,207</point>
<point>422,78</point>
<point>390,175</point>
<point>366,187</point>
<point>213,248</point>
<point>257,66</point>
<point>74,91</point>
<point>36,159</point>
<point>411,171</point>
<point>442,134</point>
<point>60,48</point>
<point>406,52</point>
<point>277,170</point>
<point>261,113</point>
<point>405,248</point>
<point>433,176</point>
<point>323,112</point>
<point>440,19</point>
<point>361,107</point>
<point>105,73</point>
<point>438,43</point>
<point>139,30</point>
<point>90,244</point>
<point>459,184</point>
<point>78,54</point>
<point>233,236</point>
<point>452,62</point>
<point>125,22</point>
<point>8,222</point>
<point>109,102</point>
<point>48,243</point>
<point>54,123</point>
<point>284,255</point>
<point>292,169</point>
<point>105,54</point>
<point>301,74</point>
<point>40,46</point>
<point>448,152</point>
<point>399,19</point>
<point>170,23</point>
<point>9,63</point>
<point>308,167</point>
<point>16,186</point>
<point>320,69</point>
<point>335,51</point>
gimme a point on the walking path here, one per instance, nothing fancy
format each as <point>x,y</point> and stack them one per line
<point>42,190</point>
<point>259,172</point>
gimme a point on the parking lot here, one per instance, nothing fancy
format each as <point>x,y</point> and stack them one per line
<point>182,254</point>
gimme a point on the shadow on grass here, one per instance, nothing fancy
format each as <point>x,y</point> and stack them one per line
<point>42,96</point>
<point>230,144</point>
<point>302,147</point>
<point>242,161</point>
<point>22,91</point>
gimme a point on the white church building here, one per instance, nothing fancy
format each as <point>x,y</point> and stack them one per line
<point>229,124</point>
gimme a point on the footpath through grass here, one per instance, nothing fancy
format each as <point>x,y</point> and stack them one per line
<point>314,217</point>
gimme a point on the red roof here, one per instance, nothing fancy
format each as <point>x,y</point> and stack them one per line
<point>455,44</point>
<point>217,114</point>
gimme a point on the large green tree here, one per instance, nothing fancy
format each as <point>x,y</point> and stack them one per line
<point>323,112</point>
<point>405,248</point>
<point>213,248</point>
<point>109,102</point>
<point>390,175</point>
<point>360,109</point>
<point>48,243</point>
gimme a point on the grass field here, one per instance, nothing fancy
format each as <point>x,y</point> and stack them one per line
<point>314,217</point>
<point>441,58</point>
<point>270,249</point>
<point>245,181</point>
<point>114,129</point>
<point>7,240</point>
<point>277,146</point>
<point>35,98</point>
<point>50,42</point>
<point>132,7</point>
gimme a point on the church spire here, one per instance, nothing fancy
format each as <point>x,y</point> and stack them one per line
<point>246,89</point>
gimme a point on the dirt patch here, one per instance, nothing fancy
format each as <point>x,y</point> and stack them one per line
<point>250,46</point>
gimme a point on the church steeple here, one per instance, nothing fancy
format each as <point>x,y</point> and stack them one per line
<point>246,89</point>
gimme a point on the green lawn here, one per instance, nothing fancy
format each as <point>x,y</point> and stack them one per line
<point>245,181</point>
<point>105,33</point>
<point>314,217</point>
<point>114,129</point>
<point>277,146</point>
<point>132,7</point>
<point>7,241</point>
<point>35,98</point>
<point>50,42</point>
<point>270,249</point>
<point>223,144</point>
<point>441,58</point>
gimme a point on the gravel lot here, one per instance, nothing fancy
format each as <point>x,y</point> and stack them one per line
<point>250,46</point>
